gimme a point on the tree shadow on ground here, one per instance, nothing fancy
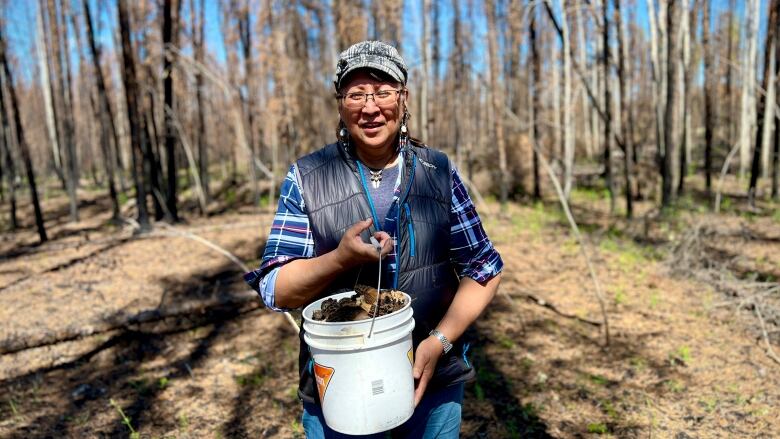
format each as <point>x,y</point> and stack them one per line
<point>492,404</point>
<point>261,387</point>
<point>73,398</point>
<point>515,371</point>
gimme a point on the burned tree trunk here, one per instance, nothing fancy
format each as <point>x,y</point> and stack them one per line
<point>131,99</point>
<point>245,39</point>
<point>203,162</point>
<point>607,109</point>
<point>709,97</point>
<point>568,128</point>
<point>23,148</point>
<point>769,54</point>
<point>536,72</point>
<point>10,166</point>
<point>776,149</point>
<point>169,31</point>
<point>105,114</point>
<point>667,162</point>
<point>628,158</point>
<point>687,31</point>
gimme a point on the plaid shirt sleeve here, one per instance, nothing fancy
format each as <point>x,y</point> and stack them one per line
<point>290,238</point>
<point>471,252</point>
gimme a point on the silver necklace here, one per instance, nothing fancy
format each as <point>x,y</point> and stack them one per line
<point>376,178</point>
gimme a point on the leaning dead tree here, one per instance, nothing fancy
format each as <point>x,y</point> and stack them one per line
<point>7,82</point>
<point>105,114</point>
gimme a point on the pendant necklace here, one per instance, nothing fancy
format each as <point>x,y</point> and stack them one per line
<point>376,178</point>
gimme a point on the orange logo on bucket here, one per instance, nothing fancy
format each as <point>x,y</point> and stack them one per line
<point>411,357</point>
<point>322,375</point>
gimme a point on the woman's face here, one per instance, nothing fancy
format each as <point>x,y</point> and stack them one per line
<point>371,127</point>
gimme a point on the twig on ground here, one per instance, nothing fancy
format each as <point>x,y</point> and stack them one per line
<point>691,257</point>
<point>545,304</point>
<point>227,254</point>
<point>769,350</point>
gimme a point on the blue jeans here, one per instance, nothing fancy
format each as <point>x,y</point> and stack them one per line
<point>437,416</point>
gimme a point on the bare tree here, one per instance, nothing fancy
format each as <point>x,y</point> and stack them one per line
<point>199,43</point>
<point>497,95</point>
<point>667,164</point>
<point>730,32</point>
<point>628,158</point>
<point>47,87</point>
<point>710,108</point>
<point>7,80</point>
<point>61,62</point>
<point>350,21</point>
<point>687,34</point>
<point>534,80</point>
<point>131,98</point>
<point>106,114</point>
<point>568,127</point>
<point>607,107</point>
<point>769,61</point>
<point>8,160</point>
<point>170,31</point>
<point>748,63</point>
<point>776,148</point>
<point>425,44</point>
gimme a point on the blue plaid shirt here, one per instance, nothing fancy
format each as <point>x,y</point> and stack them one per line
<point>471,252</point>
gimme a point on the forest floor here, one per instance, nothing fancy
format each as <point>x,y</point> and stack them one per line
<point>157,334</point>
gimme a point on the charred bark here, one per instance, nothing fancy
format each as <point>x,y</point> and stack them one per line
<point>769,49</point>
<point>709,97</point>
<point>169,32</point>
<point>132,101</point>
<point>667,162</point>
<point>22,143</point>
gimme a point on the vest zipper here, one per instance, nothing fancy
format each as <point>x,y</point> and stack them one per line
<point>401,201</point>
<point>411,230</point>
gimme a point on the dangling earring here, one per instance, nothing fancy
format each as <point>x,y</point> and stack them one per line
<point>343,134</point>
<point>404,136</point>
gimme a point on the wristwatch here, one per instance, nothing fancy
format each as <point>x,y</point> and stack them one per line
<point>444,342</point>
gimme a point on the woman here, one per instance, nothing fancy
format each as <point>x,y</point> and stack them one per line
<point>377,181</point>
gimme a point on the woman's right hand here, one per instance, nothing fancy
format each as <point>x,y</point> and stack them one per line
<point>352,250</point>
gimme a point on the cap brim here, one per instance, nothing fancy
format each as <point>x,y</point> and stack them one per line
<point>395,75</point>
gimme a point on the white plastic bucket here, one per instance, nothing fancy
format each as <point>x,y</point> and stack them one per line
<point>365,384</point>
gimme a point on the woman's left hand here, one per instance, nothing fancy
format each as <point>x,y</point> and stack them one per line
<point>425,359</point>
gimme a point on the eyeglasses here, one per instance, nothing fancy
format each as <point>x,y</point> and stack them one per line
<point>382,98</point>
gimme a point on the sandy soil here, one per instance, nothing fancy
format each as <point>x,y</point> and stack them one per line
<point>680,363</point>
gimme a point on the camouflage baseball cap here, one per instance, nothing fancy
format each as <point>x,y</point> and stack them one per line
<point>372,55</point>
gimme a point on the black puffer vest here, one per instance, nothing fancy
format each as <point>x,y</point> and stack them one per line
<point>335,198</point>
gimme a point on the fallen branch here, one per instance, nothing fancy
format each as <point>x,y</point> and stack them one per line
<point>545,304</point>
<point>769,350</point>
<point>24,342</point>
<point>227,254</point>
